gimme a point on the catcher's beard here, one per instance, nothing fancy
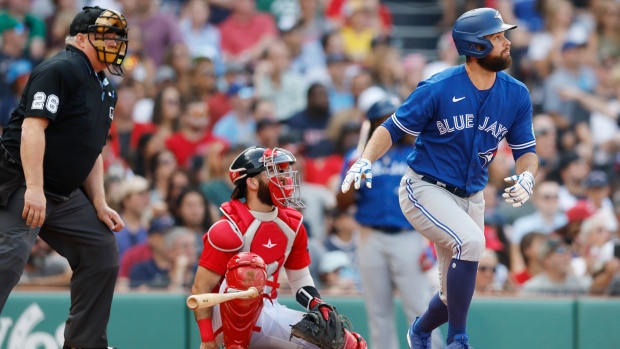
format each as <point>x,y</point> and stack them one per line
<point>495,63</point>
<point>264,195</point>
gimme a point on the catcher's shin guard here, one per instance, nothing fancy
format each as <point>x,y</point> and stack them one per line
<point>353,340</point>
<point>239,316</point>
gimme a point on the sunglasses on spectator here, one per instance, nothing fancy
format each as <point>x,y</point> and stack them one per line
<point>484,268</point>
<point>560,250</point>
<point>542,132</point>
<point>172,101</point>
<point>549,196</point>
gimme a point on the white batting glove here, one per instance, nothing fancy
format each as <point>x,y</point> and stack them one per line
<point>359,168</point>
<point>522,189</point>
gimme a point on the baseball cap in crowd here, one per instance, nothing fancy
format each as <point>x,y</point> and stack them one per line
<point>84,19</point>
<point>334,260</point>
<point>7,23</point>
<point>568,45</point>
<point>580,211</point>
<point>243,91</point>
<point>552,244</point>
<point>596,179</point>
<point>382,108</point>
<point>17,69</point>
<point>161,224</point>
<point>135,184</point>
<point>165,73</point>
<point>336,58</point>
<point>370,96</point>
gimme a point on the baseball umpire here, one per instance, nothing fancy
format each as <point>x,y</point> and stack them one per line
<point>459,116</point>
<point>51,171</point>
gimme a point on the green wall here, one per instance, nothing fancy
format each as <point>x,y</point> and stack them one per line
<point>33,320</point>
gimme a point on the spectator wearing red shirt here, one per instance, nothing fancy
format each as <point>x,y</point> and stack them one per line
<point>246,33</point>
<point>158,227</point>
<point>530,250</point>
<point>193,138</point>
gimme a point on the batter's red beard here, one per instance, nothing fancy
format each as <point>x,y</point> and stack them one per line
<point>495,63</point>
<point>264,195</point>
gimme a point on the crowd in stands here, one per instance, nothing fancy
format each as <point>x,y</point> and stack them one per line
<point>206,79</point>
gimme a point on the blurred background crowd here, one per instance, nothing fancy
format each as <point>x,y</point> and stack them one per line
<point>207,78</point>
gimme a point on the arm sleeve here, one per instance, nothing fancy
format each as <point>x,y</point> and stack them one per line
<point>520,137</point>
<point>300,256</point>
<point>48,91</point>
<point>413,115</point>
<point>299,278</point>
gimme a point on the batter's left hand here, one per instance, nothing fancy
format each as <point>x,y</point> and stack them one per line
<point>110,218</point>
<point>522,189</point>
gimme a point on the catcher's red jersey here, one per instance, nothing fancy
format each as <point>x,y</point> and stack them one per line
<point>279,237</point>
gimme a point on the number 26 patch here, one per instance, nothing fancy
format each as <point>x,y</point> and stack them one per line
<point>50,102</point>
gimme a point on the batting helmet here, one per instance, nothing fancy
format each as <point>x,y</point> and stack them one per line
<point>469,30</point>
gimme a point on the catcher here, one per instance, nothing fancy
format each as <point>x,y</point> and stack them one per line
<point>249,247</point>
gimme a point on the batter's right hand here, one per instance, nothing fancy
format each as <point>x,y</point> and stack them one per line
<point>209,345</point>
<point>34,207</point>
<point>359,168</point>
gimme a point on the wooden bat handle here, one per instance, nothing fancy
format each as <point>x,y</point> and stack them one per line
<point>206,300</point>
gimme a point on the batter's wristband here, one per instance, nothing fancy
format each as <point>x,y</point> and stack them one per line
<point>206,330</point>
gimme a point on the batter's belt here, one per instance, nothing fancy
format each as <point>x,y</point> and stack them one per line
<point>452,189</point>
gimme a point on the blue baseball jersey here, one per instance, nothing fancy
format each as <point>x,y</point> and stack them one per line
<point>380,205</point>
<point>459,127</point>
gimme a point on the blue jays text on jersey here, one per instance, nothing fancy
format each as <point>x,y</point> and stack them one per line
<point>459,127</point>
<point>374,207</point>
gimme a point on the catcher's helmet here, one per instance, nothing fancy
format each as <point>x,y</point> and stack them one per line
<point>469,30</point>
<point>282,180</point>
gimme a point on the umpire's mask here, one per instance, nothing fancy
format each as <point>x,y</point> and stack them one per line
<point>110,22</point>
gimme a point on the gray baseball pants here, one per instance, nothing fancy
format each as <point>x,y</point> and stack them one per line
<point>73,229</point>
<point>389,263</point>
<point>454,224</point>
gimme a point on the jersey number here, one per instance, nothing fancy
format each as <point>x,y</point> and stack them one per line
<point>51,104</point>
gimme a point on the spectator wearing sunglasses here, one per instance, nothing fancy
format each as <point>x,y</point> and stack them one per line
<point>557,278</point>
<point>492,277</point>
<point>546,219</point>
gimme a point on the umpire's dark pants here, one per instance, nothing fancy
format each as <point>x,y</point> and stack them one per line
<point>72,229</point>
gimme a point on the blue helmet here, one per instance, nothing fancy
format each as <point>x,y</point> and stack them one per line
<point>472,26</point>
<point>382,108</point>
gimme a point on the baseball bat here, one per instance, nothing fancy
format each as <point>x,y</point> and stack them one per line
<point>361,143</point>
<point>206,300</point>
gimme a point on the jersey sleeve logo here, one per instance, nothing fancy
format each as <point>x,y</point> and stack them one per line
<point>111,113</point>
<point>488,156</point>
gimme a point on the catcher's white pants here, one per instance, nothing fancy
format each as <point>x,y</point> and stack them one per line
<point>275,321</point>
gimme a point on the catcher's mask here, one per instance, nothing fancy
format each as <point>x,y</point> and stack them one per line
<point>283,182</point>
<point>110,22</point>
<point>105,25</point>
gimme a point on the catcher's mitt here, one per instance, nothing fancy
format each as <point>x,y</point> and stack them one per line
<point>323,327</point>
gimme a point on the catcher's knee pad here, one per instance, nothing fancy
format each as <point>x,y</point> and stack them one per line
<point>353,340</point>
<point>239,316</point>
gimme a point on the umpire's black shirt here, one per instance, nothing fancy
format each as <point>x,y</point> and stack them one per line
<point>80,106</point>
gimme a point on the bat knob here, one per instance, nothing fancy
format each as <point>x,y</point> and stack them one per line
<point>192,302</point>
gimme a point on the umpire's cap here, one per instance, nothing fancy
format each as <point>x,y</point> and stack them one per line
<point>382,108</point>
<point>469,30</point>
<point>84,19</point>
